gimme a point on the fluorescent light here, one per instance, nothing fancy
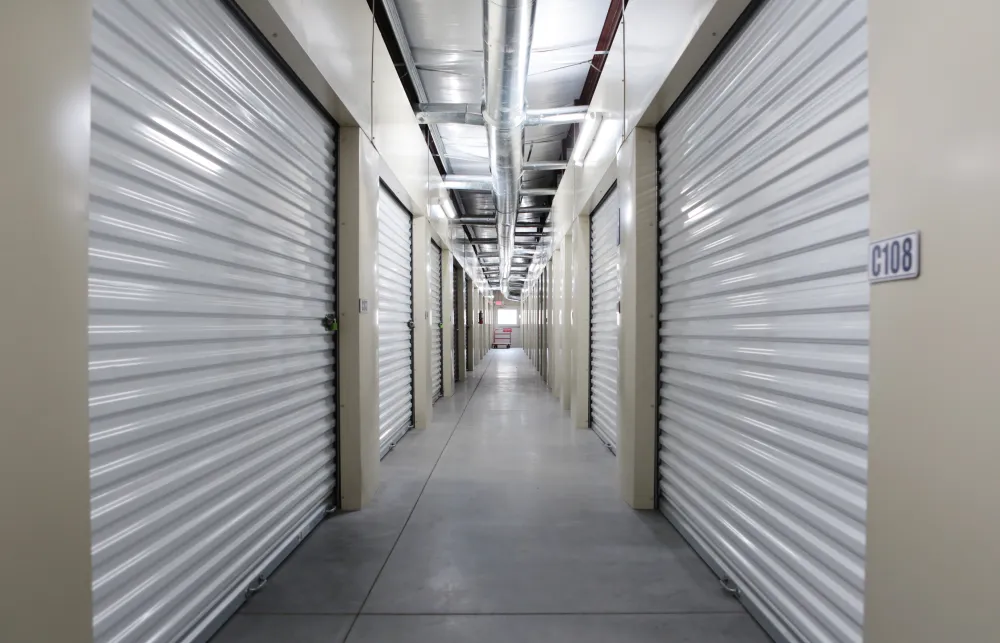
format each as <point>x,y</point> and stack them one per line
<point>588,132</point>
<point>436,210</point>
<point>442,208</point>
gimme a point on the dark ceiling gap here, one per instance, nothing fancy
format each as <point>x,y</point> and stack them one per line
<point>611,22</point>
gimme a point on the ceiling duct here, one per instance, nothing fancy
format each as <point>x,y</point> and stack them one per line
<point>468,114</point>
<point>507,30</point>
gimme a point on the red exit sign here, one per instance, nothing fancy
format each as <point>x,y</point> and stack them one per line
<point>499,302</point>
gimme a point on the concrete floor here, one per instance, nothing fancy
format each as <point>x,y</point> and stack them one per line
<point>498,523</point>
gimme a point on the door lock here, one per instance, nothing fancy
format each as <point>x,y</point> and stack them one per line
<point>329,323</point>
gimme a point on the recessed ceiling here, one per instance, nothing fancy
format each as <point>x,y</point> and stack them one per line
<point>445,39</point>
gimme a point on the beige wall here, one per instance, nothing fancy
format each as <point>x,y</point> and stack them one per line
<point>637,333</point>
<point>469,327</point>
<point>357,372</point>
<point>448,332</point>
<point>422,362</point>
<point>934,508</point>
<point>565,312</point>
<point>459,325</point>
<point>555,322</point>
<point>44,455</point>
<point>580,322</point>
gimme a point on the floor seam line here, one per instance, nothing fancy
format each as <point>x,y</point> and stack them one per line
<point>739,610</point>
<point>419,496</point>
<point>587,613</point>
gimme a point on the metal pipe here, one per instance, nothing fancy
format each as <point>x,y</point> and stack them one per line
<point>472,114</point>
<point>474,221</point>
<point>467,182</point>
<point>557,115</point>
<point>463,113</point>
<point>534,210</point>
<point>507,31</point>
<point>537,166</point>
<point>538,191</point>
<point>485,183</point>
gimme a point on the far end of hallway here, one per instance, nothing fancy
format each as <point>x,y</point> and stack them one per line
<point>498,523</point>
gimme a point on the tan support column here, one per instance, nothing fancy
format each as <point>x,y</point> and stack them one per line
<point>933,548</point>
<point>460,326</point>
<point>555,360</point>
<point>468,327</point>
<point>525,316</point>
<point>448,332</point>
<point>533,326</point>
<point>422,393</point>
<point>480,308</point>
<point>536,325</point>
<point>580,323</point>
<point>637,336</point>
<point>566,367</point>
<point>473,326</point>
<point>555,304</point>
<point>491,319</point>
<point>357,376</point>
<point>44,425</point>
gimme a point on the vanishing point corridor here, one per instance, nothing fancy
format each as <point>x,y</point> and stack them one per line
<point>498,523</point>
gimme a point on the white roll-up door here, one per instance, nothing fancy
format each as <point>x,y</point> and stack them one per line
<point>212,265</point>
<point>764,316</point>
<point>604,295</point>
<point>395,320</point>
<point>437,321</point>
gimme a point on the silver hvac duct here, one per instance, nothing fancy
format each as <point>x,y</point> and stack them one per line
<point>507,30</point>
<point>469,114</point>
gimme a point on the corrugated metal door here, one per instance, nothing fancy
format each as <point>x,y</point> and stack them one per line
<point>764,316</point>
<point>395,320</point>
<point>604,288</point>
<point>437,321</point>
<point>211,267</point>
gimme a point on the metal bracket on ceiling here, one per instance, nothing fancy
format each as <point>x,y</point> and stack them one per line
<point>472,114</point>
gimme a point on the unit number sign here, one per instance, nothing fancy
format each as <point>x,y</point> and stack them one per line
<point>894,258</point>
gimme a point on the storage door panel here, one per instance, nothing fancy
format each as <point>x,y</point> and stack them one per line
<point>763,230</point>
<point>395,315</point>
<point>212,409</point>
<point>604,297</point>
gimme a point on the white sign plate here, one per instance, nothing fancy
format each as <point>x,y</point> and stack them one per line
<point>363,306</point>
<point>894,258</point>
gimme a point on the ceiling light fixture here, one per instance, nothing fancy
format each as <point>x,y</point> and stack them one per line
<point>436,211</point>
<point>588,134</point>
<point>449,209</point>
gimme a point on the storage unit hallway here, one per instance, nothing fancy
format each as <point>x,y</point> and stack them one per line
<point>499,522</point>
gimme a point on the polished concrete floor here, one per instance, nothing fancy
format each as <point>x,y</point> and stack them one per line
<point>498,523</point>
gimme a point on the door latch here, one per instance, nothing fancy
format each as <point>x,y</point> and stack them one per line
<point>411,325</point>
<point>329,323</point>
